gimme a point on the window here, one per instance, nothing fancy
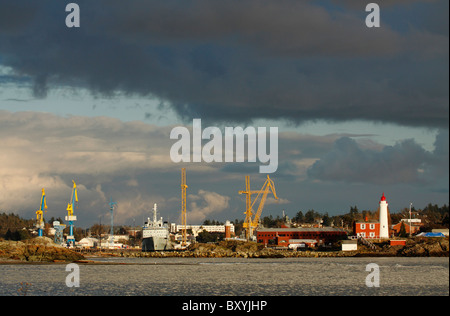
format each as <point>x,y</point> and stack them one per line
<point>372,226</point>
<point>363,226</point>
<point>372,234</point>
<point>363,234</point>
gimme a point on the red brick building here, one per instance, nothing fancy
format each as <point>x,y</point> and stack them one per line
<point>286,236</point>
<point>367,229</point>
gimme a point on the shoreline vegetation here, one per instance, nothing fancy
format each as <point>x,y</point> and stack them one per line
<point>43,250</point>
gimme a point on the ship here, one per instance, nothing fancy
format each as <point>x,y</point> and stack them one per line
<point>155,234</point>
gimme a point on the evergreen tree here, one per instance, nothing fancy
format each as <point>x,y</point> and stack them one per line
<point>402,232</point>
<point>326,220</point>
<point>310,216</point>
<point>299,217</point>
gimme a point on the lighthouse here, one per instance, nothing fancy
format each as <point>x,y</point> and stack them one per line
<point>384,225</point>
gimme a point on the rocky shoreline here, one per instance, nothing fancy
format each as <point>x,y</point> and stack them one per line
<point>438,247</point>
<point>39,249</point>
<point>45,251</point>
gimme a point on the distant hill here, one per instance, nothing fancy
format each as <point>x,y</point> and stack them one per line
<point>12,226</point>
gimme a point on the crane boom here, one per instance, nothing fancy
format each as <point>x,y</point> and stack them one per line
<point>70,217</point>
<point>40,214</point>
<point>269,186</point>
<point>73,199</point>
<point>183,205</point>
<point>251,223</point>
<point>248,204</point>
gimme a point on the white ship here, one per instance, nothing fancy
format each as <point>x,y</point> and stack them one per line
<point>155,234</point>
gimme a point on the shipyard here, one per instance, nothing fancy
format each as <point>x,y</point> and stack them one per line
<point>162,239</point>
<point>218,154</point>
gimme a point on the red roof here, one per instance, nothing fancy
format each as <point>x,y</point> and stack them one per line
<point>383,198</point>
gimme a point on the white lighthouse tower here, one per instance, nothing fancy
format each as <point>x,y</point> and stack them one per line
<point>384,223</point>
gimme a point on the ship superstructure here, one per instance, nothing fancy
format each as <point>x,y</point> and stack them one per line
<point>155,234</point>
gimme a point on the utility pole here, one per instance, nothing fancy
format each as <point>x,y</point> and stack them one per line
<point>100,233</point>
<point>410,224</point>
<point>111,208</point>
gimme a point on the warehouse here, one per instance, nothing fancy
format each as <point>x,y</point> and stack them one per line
<point>282,236</point>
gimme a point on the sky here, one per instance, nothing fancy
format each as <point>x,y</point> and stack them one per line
<point>359,111</point>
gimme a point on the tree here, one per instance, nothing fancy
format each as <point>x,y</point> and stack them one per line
<point>23,234</point>
<point>205,237</point>
<point>326,220</point>
<point>402,232</point>
<point>299,217</point>
<point>238,226</point>
<point>268,221</point>
<point>354,211</point>
<point>310,216</point>
<point>206,222</point>
<point>17,235</point>
<point>9,235</point>
<point>97,229</point>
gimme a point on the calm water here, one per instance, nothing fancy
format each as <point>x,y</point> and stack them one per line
<point>234,276</point>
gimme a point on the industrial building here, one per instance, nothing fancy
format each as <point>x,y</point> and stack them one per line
<point>283,237</point>
<point>227,229</point>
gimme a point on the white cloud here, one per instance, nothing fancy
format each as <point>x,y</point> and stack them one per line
<point>205,204</point>
<point>270,200</point>
<point>40,150</point>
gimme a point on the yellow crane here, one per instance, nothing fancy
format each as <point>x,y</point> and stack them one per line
<point>70,217</point>
<point>183,205</point>
<point>40,214</point>
<point>251,223</point>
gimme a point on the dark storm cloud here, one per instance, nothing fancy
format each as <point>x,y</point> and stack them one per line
<point>405,162</point>
<point>239,60</point>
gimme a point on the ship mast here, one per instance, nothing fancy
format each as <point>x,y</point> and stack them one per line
<point>155,208</point>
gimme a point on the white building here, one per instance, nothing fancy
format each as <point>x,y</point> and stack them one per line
<point>384,224</point>
<point>412,220</point>
<point>117,238</point>
<point>349,245</point>
<point>88,242</point>
<point>196,229</point>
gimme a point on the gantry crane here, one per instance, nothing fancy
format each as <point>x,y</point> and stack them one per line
<point>40,214</point>
<point>183,206</point>
<point>70,217</point>
<point>59,232</point>
<point>251,223</point>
